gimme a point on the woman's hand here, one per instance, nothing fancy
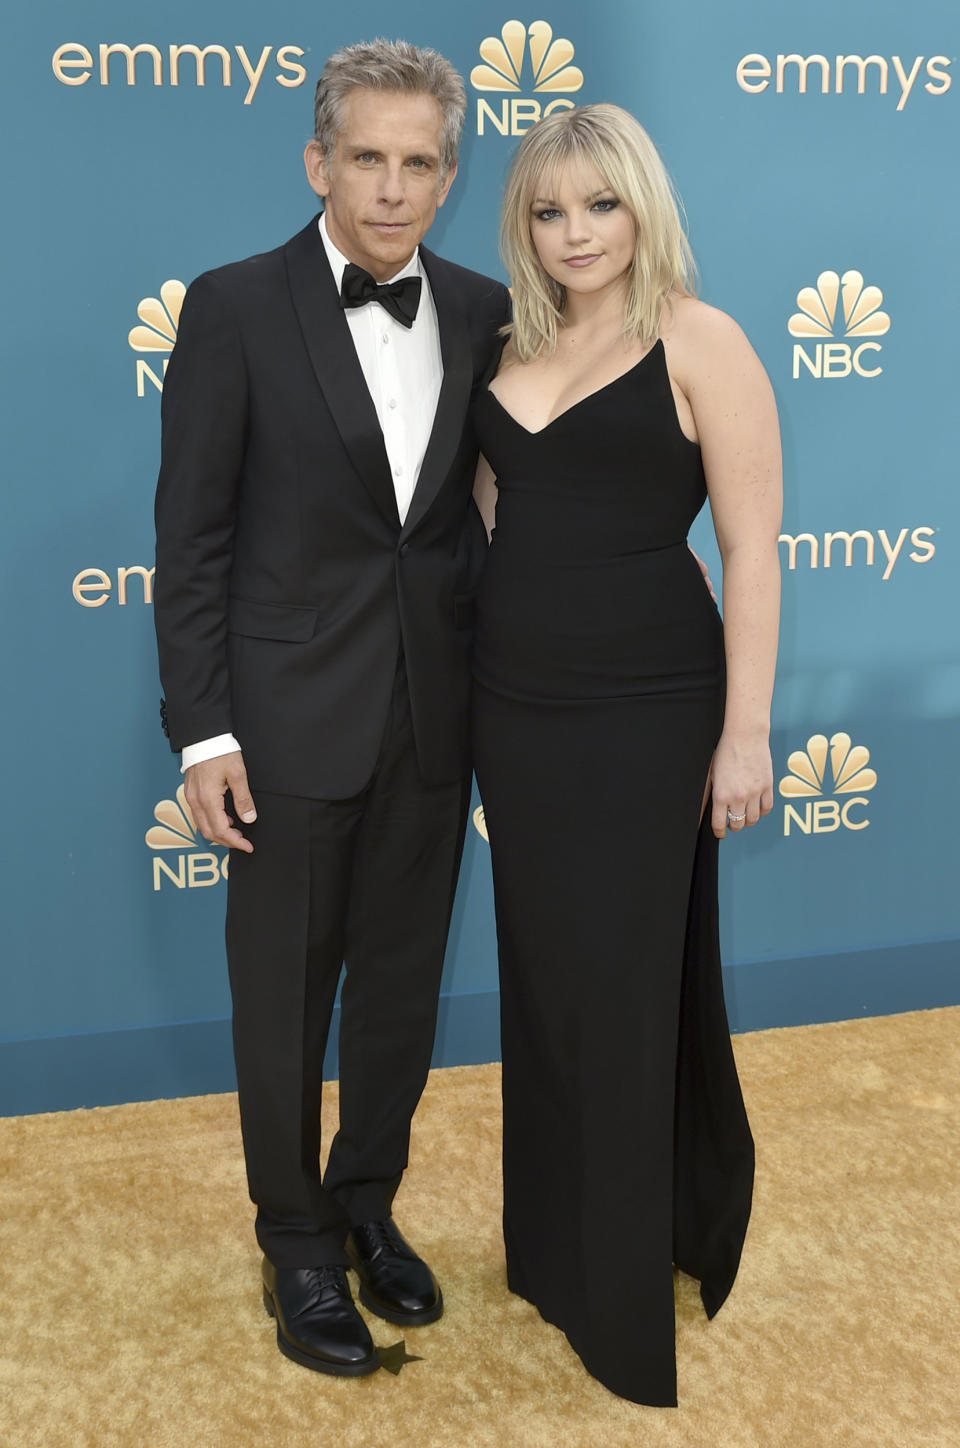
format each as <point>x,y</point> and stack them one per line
<point>706,573</point>
<point>741,778</point>
<point>485,494</point>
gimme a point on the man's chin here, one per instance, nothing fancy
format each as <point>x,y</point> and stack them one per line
<point>387,254</point>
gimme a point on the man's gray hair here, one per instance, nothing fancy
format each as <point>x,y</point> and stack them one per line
<point>390,65</point>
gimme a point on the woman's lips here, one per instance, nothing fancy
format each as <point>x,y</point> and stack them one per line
<point>581,260</point>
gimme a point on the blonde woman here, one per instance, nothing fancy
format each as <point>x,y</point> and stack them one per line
<point>620,730</point>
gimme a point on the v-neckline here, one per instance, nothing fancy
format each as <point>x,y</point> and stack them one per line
<point>538,432</point>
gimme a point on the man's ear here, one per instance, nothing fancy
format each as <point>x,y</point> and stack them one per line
<point>315,162</point>
<point>446,184</point>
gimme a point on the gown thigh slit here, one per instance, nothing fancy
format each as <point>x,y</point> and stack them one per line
<point>598,703</point>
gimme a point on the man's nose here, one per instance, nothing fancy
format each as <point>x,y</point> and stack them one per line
<point>392,188</point>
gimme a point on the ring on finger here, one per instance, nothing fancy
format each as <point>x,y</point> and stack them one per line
<point>736,819</point>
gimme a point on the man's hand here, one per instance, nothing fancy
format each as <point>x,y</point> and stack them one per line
<point>205,786</point>
<point>703,570</point>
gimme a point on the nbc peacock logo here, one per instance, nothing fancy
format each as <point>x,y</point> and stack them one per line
<point>505,70</point>
<point>850,776</point>
<point>838,307</point>
<point>480,823</point>
<point>159,318</point>
<point>176,831</point>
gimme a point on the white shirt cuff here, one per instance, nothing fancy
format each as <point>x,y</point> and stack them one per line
<point>207,749</point>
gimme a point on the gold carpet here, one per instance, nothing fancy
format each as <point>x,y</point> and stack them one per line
<point>132,1315</point>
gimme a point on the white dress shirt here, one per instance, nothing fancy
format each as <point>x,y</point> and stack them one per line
<point>403,372</point>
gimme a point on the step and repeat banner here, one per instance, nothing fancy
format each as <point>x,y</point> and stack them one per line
<point>815,151</point>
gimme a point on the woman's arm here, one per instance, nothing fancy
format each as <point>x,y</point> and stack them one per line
<point>736,422</point>
<point>485,494</point>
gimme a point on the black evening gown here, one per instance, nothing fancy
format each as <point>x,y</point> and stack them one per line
<point>598,703</point>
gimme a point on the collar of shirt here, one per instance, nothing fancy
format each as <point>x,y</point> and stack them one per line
<point>338,262</point>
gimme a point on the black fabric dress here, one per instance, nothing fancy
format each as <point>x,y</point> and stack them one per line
<point>598,702</point>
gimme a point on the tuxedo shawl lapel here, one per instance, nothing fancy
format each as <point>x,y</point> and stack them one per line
<point>337,366</point>
<point>454,390</point>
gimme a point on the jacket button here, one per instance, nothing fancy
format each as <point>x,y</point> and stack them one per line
<point>404,549</point>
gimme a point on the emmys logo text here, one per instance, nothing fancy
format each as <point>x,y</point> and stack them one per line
<point>859,316</point>
<point>181,865</point>
<point>850,777</point>
<point>839,548</point>
<point>174,65</point>
<point>504,73</point>
<point>851,74</point>
<point>93,587</point>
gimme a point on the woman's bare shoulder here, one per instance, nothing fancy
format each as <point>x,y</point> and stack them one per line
<point>687,321</point>
<point>704,344</point>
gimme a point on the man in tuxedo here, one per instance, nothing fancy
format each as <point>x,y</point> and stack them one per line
<point>317,556</point>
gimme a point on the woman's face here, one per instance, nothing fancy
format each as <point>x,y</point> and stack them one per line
<point>583,233</point>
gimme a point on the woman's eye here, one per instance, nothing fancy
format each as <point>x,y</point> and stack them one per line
<point>607,203</point>
<point>547,214</point>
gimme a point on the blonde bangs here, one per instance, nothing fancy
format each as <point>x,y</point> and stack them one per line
<point>613,143</point>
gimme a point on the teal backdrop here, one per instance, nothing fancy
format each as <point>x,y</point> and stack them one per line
<point>815,148</point>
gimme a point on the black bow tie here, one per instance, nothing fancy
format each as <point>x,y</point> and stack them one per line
<point>400,298</point>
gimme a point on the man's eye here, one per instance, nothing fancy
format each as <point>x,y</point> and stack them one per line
<point>365,156</point>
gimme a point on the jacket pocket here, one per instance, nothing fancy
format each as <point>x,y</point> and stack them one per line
<point>285,622</point>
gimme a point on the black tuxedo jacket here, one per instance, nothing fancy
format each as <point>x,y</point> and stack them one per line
<point>285,583</point>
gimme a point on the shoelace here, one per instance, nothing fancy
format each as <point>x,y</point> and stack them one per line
<point>385,1234</point>
<point>330,1276</point>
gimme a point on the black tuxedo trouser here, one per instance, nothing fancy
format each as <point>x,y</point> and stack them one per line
<point>368,881</point>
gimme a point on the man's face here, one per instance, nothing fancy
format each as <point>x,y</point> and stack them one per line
<point>383,184</point>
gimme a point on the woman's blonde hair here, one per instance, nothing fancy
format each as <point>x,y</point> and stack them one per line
<point>611,141</point>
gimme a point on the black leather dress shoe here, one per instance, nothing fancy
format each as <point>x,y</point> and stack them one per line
<point>394,1282</point>
<point>318,1325</point>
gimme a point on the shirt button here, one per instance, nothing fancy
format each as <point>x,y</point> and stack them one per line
<point>392,402</point>
<point>384,337</point>
<point>398,472</point>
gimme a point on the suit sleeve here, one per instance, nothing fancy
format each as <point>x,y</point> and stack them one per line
<point>507,307</point>
<point>204,415</point>
<point>501,313</point>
